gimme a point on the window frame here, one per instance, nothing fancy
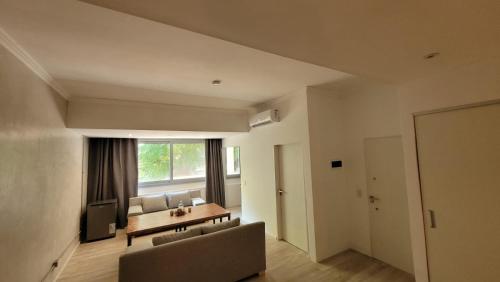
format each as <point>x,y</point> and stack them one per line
<point>225,161</point>
<point>171,181</point>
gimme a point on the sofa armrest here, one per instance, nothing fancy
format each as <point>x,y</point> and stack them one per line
<point>198,201</point>
<point>135,210</point>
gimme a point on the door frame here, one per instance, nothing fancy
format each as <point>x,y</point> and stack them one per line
<point>277,180</point>
<point>429,112</point>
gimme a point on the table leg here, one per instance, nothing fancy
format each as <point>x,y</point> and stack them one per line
<point>220,219</point>
<point>213,220</point>
<point>185,228</point>
<point>229,217</point>
<point>129,240</point>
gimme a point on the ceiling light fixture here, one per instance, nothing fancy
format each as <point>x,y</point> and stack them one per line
<point>216,82</point>
<point>431,55</point>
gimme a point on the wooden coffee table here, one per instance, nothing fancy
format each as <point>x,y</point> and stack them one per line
<point>148,223</point>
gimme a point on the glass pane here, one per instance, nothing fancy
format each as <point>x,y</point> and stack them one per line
<point>154,162</point>
<point>233,160</point>
<point>189,160</point>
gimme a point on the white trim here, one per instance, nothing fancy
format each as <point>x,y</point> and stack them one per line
<point>10,44</point>
<point>76,243</point>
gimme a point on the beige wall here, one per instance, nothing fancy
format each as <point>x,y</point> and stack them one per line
<point>468,84</point>
<point>328,185</point>
<point>258,187</point>
<point>335,123</point>
<point>233,192</point>
<point>114,114</point>
<point>370,111</point>
<point>374,111</point>
<point>40,174</point>
<point>339,121</point>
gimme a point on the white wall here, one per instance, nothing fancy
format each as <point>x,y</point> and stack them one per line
<point>258,187</point>
<point>468,84</point>
<point>378,110</point>
<point>339,121</point>
<point>329,185</point>
<point>114,114</point>
<point>40,175</point>
<point>369,111</point>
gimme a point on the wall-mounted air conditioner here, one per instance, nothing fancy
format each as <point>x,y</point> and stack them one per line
<point>265,117</point>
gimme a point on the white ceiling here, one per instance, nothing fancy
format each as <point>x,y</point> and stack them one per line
<point>96,52</point>
<point>153,134</point>
<point>378,39</point>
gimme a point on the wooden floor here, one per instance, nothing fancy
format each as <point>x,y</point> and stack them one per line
<point>98,261</point>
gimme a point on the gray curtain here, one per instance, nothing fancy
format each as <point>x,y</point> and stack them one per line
<point>112,173</point>
<point>215,172</point>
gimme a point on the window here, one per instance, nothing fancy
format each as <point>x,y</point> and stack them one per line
<point>233,161</point>
<point>189,161</point>
<point>154,162</point>
<point>171,162</point>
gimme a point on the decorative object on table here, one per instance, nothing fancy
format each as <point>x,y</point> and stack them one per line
<point>180,212</point>
<point>171,212</point>
<point>189,210</point>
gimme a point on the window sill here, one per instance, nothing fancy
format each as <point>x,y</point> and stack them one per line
<point>162,188</point>
<point>171,182</point>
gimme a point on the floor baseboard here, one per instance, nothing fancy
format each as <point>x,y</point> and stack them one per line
<point>65,257</point>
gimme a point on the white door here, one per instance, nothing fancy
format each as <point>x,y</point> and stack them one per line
<point>292,204</point>
<point>388,205</point>
<point>459,164</point>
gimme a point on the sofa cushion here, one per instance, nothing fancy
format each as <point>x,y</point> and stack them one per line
<point>198,201</point>
<point>175,197</point>
<point>154,203</point>
<point>135,201</point>
<point>195,193</point>
<point>135,210</point>
<point>172,237</point>
<point>220,226</point>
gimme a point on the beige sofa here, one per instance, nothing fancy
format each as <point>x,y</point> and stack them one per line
<point>189,197</point>
<point>227,255</point>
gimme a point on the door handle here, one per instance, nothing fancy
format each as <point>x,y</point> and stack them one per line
<point>373,199</point>
<point>281,191</point>
<point>433,218</point>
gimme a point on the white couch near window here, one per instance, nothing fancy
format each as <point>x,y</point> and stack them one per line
<point>171,200</point>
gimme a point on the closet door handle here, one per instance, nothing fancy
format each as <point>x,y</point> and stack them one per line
<point>433,218</point>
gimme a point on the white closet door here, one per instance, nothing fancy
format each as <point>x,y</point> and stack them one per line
<point>459,162</point>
